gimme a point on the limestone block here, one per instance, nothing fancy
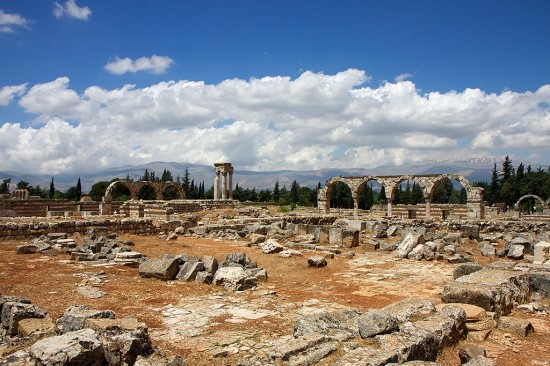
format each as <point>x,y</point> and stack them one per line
<point>340,324</point>
<point>81,347</point>
<point>210,264</point>
<point>409,242</point>
<point>14,312</point>
<point>233,278</point>
<point>75,317</point>
<point>36,327</point>
<point>542,252</point>
<point>376,322</point>
<point>271,246</point>
<point>189,270</point>
<point>335,236</point>
<point>165,268</point>
<point>350,239</point>
<point>317,261</point>
<point>470,231</point>
<point>463,269</point>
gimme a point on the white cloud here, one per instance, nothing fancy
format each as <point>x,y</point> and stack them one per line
<point>71,10</point>
<point>271,123</point>
<point>9,22</point>
<point>7,93</point>
<point>403,77</point>
<point>155,64</point>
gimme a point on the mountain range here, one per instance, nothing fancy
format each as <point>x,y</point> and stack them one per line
<point>474,169</point>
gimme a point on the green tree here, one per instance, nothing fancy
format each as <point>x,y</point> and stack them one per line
<point>4,187</point>
<point>294,192</point>
<point>186,181</point>
<point>166,176</point>
<point>78,190</point>
<point>52,190</point>
<point>98,190</point>
<point>417,194</point>
<point>276,193</point>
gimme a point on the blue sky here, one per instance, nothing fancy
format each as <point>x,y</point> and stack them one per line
<point>269,85</point>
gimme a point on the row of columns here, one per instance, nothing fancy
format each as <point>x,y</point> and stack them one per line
<point>223,169</point>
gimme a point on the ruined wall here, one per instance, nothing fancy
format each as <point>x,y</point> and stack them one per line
<point>23,230</point>
<point>438,211</point>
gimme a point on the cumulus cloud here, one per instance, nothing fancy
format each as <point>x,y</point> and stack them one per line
<point>402,77</point>
<point>7,93</point>
<point>71,10</point>
<point>10,22</point>
<point>154,64</point>
<point>271,123</point>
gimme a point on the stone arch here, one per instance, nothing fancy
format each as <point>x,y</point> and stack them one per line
<point>178,187</point>
<point>459,178</point>
<point>108,197</point>
<point>145,183</point>
<point>395,183</point>
<point>538,198</point>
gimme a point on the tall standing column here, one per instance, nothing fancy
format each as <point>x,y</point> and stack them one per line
<point>224,185</point>
<point>231,184</point>
<point>217,185</point>
<point>389,209</point>
<point>356,205</point>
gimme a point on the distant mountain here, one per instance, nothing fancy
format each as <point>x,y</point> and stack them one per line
<point>474,169</point>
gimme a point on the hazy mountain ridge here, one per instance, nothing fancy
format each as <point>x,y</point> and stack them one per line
<point>474,169</point>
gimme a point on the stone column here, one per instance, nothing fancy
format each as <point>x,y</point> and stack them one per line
<point>355,205</point>
<point>389,208</point>
<point>224,185</point>
<point>217,185</point>
<point>231,184</point>
<point>428,208</point>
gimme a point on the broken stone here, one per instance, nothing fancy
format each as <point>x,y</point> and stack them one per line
<point>74,317</point>
<point>271,246</point>
<point>81,347</point>
<point>376,322</point>
<point>189,270</point>
<point>464,269</point>
<point>316,261</point>
<point>234,278</point>
<point>163,268</point>
<point>341,325</point>
<point>519,326</point>
<point>409,242</point>
<point>14,312</point>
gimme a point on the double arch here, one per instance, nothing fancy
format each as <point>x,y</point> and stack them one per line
<point>135,187</point>
<point>391,183</point>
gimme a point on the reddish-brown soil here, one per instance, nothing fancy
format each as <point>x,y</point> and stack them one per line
<point>50,283</point>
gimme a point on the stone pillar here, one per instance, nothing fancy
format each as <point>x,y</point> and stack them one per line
<point>428,208</point>
<point>355,205</point>
<point>217,185</point>
<point>105,207</point>
<point>389,209</point>
<point>224,185</point>
<point>231,184</point>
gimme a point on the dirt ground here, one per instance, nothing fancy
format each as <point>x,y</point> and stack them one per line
<point>210,326</point>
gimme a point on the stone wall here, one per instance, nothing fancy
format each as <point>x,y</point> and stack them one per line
<point>23,230</point>
<point>438,211</point>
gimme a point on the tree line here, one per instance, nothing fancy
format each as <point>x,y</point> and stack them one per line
<point>508,185</point>
<point>505,188</point>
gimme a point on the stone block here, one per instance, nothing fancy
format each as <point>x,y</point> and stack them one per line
<point>464,269</point>
<point>81,347</point>
<point>189,270</point>
<point>75,317</point>
<point>335,236</point>
<point>542,252</point>
<point>14,312</point>
<point>376,322</point>
<point>165,268</point>
<point>350,239</point>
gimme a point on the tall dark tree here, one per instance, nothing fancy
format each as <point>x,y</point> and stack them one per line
<point>186,181</point>
<point>78,190</point>
<point>276,193</point>
<point>294,192</point>
<point>166,176</point>
<point>52,189</point>
<point>4,186</point>
<point>417,195</point>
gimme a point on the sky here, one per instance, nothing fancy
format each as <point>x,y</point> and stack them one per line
<point>300,85</point>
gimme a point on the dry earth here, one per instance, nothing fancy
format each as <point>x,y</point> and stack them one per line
<point>213,327</point>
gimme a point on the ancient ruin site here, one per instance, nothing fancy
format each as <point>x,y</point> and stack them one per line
<point>222,282</point>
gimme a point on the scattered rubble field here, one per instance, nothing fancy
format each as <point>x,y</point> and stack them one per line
<point>212,326</point>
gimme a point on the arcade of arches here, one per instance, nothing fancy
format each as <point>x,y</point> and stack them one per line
<point>391,183</point>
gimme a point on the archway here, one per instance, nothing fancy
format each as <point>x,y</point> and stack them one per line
<point>171,190</point>
<point>119,190</point>
<point>531,196</point>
